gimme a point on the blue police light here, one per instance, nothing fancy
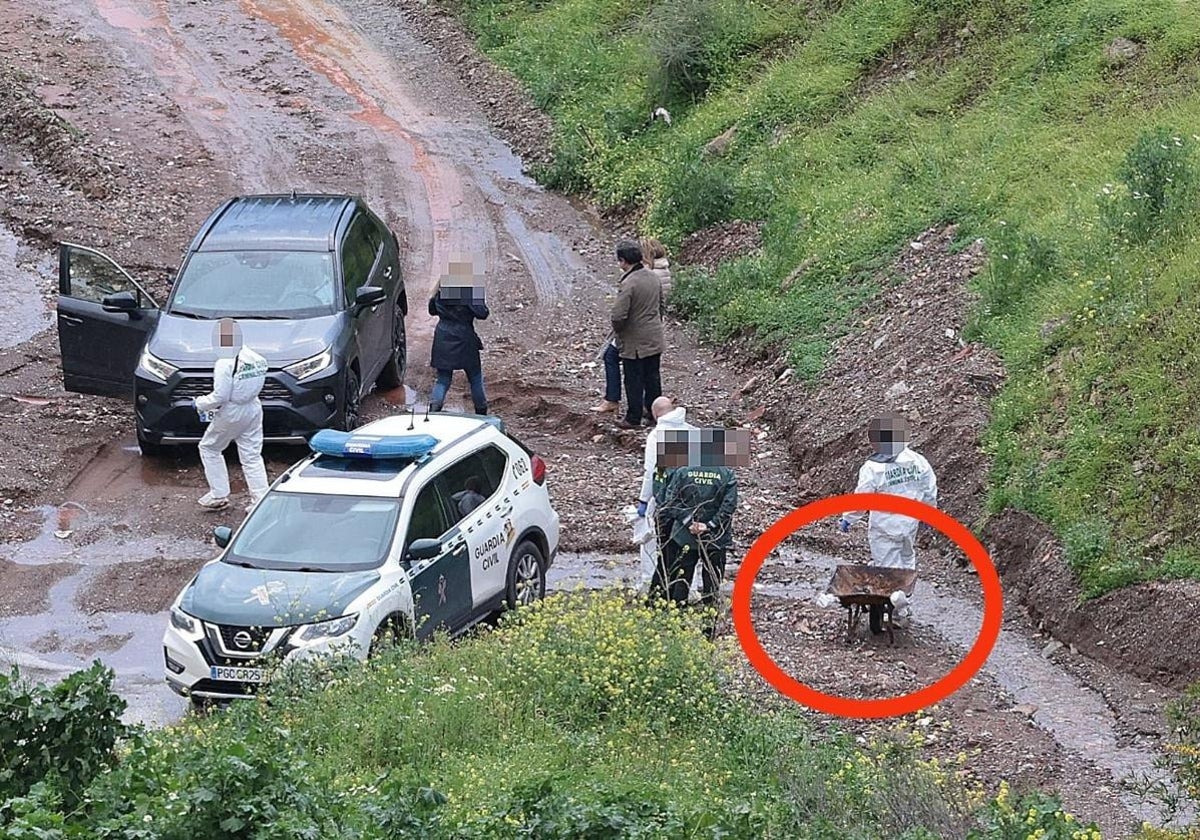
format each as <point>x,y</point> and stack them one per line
<point>360,445</point>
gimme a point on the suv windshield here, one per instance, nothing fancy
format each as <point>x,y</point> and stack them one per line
<point>307,532</point>
<point>256,284</point>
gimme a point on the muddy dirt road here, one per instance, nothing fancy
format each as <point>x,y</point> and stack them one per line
<point>128,130</point>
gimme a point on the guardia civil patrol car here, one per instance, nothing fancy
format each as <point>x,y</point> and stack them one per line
<point>407,526</point>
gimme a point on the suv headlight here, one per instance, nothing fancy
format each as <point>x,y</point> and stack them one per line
<point>156,367</point>
<point>314,364</point>
<point>328,629</point>
<point>182,620</point>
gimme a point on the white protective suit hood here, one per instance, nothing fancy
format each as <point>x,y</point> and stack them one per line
<point>676,418</point>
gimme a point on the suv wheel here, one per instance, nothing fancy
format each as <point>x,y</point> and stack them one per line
<point>392,375</point>
<point>351,401</point>
<point>526,575</point>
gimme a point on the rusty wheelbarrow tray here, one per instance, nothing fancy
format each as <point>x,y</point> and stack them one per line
<point>860,588</point>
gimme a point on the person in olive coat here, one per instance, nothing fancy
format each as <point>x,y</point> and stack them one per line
<point>456,345</point>
<point>637,323</point>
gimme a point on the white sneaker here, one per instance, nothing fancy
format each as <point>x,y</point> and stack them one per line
<point>211,502</point>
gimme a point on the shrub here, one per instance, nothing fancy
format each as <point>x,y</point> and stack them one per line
<point>1157,190</point>
<point>694,195</point>
<point>1035,815</point>
<point>692,42</point>
<point>61,736</point>
<point>587,658</point>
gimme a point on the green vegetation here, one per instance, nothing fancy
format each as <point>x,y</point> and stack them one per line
<point>586,717</point>
<point>1024,121</point>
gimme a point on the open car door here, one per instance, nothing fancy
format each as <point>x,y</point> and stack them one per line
<point>104,318</point>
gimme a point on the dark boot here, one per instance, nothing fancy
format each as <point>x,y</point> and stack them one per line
<point>435,407</point>
<point>481,410</point>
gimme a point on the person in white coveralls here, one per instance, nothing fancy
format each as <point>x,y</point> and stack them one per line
<point>897,469</point>
<point>233,414</point>
<point>666,416</point>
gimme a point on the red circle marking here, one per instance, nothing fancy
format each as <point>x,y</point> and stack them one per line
<point>989,632</point>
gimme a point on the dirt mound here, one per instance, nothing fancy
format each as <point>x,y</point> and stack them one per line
<point>142,586</point>
<point>48,138</point>
<point>25,590</point>
<point>1147,629</point>
<point>714,245</point>
<point>907,356</point>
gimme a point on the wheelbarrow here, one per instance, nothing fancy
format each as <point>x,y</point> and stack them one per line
<point>869,589</point>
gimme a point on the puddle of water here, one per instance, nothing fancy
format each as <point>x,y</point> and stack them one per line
<point>136,662</point>
<point>23,313</point>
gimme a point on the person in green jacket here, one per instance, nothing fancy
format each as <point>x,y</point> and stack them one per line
<point>696,520</point>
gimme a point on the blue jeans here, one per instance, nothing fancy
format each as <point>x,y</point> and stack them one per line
<point>612,374</point>
<point>442,384</point>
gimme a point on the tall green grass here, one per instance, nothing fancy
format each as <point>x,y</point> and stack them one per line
<point>1014,123</point>
<point>588,717</point>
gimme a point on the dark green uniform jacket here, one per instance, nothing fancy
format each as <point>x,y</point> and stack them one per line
<point>705,494</point>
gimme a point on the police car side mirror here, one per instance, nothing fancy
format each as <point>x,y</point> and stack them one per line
<point>424,549</point>
<point>222,535</point>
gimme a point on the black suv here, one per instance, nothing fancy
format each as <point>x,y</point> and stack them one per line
<point>313,281</point>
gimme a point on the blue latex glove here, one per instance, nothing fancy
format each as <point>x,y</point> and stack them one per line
<point>641,508</point>
<point>844,526</point>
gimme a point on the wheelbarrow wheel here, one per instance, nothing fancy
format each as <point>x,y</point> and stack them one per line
<point>876,618</point>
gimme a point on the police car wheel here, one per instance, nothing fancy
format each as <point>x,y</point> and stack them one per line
<point>526,575</point>
<point>391,631</point>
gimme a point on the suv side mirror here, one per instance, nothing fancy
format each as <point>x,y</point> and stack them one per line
<point>221,535</point>
<point>368,296</point>
<point>170,278</point>
<point>120,302</point>
<point>424,549</point>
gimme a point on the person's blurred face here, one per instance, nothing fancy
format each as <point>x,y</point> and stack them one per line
<point>227,338</point>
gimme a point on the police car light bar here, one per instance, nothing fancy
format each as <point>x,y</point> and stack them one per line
<point>358,445</point>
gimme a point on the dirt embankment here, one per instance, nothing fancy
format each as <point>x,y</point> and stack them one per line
<point>1145,629</point>
<point>906,353</point>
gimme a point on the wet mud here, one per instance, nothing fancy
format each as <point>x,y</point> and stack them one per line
<point>202,100</point>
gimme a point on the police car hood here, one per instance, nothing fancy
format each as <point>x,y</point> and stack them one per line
<point>226,594</point>
<point>188,342</point>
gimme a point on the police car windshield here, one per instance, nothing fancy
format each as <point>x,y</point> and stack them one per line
<point>302,531</point>
<point>255,284</point>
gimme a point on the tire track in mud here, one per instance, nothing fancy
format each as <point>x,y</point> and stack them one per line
<point>419,166</point>
<point>334,47</point>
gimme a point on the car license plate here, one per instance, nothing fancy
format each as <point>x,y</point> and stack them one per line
<point>207,416</point>
<point>245,675</point>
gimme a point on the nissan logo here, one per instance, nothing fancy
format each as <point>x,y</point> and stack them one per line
<point>243,639</point>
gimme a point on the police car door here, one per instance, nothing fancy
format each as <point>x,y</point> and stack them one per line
<point>441,586</point>
<point>483,513</point>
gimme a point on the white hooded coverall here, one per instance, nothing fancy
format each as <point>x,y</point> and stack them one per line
<point>891,535</point>
<point>237,382</point>
<point>676,419</point>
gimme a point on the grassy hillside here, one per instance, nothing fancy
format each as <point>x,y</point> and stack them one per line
<point>588,719</point>
<point>1061,132</point>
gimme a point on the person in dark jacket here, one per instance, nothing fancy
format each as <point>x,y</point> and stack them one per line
<point>696,521</point>
<point>456,345</point>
